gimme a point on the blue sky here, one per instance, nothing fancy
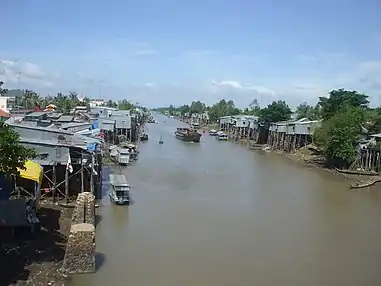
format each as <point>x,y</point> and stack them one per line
<point>159,52</point>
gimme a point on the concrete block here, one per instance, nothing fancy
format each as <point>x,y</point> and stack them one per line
<point>80,249</point>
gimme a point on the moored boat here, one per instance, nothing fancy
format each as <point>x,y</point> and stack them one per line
<point>358,172</point>
<point>188,135</point>
<point>212,132</point>
<point>119,192</point>
<point>222,136</point>
<point>144,137</point>
<point>123,156</point>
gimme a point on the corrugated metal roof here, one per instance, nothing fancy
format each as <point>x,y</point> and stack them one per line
<point>118,180</point>
<point>74,124</point>
<point>66,118</point>
<point>37,114</point>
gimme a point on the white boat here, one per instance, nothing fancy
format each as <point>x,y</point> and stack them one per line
<point>119,189</point>
<point>123,156</point>
<point>222,136</point>
<point>212,132</point>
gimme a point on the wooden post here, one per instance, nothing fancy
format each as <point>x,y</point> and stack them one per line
<point>294,142</point>
<point>54,182</point>
<point>67,185</point>
<point>82,175</point>
<point>92,173</point>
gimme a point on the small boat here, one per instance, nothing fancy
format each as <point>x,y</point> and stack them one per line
<point>357,172</point>
<point>258,147</point>
<point>222,136</point>
<point>212,132</point>
<point>132,148</point>
<point>188,135</point>
<point>123,156</point>
<point>119,189</point>
<point>144,137</point>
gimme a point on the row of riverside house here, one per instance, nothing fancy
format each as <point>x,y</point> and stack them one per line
<point>283,136</point>
<point>69,147</point>
<point>291,135</point>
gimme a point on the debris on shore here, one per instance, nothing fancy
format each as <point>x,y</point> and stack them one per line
<point>36,259</point>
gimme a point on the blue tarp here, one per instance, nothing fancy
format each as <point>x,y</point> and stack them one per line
<point>95,124</point>
<point>90,146</point>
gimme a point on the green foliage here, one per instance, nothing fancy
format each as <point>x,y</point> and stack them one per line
<point>275,112</point>
<point>310,112</point>
<point>338,134</point>
<point>125,105</point>
<point>372,120</point>
<point>111,104</point>
<point>340,97</point>
<point>222,108</point>
<point>253,109</point>
<point>12,154</point>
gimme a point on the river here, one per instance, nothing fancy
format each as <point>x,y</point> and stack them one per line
<point>217,214</point>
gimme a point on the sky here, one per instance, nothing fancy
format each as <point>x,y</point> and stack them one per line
<point>161,52</point>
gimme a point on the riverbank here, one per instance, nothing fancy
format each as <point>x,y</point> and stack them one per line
<point>37,259</point>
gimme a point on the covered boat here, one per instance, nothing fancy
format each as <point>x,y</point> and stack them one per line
<point>119,189</point>
<point>188,135</point>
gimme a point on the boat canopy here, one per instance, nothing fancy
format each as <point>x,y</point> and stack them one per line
<point>118,180</point>
<point>123,151</point>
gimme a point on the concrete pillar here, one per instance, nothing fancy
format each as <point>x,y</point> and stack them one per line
<point>80,249</point>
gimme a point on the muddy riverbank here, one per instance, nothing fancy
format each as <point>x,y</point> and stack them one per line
<point>37,259</point>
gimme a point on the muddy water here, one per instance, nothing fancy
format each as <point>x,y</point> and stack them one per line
<point>216,214</point>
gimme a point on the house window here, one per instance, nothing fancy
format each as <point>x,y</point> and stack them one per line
<point>43,156</point>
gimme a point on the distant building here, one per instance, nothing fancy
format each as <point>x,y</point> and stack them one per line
<point>50,107</point>
<point>7,103</point>
<point>96,102</point>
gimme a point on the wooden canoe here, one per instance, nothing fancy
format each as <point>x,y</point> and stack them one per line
<point>358,172</point>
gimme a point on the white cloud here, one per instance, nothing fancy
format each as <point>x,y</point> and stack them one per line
<point>237,85</point>
<point>241,93</point>
<point>20,72</point>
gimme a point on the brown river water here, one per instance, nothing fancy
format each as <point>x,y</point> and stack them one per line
<point>217,214</point>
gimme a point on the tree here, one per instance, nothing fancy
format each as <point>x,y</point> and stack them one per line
<point>111,103</point>
<point>310,112</point>
<point>184,109</point>
<point>12,154</point>
<point>3,91</point>
<point>340,97</point>
<point>223,108</point>
<point>275,112</point>
<point>372,120</point>
<point>30,99</point>
<point>338,134</point>
<point>73,96</point>
<point>197,107</point>
<point>125,105</point>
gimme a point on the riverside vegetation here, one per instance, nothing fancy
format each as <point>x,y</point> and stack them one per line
<point>346,116</point>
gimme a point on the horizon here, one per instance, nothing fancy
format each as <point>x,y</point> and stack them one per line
<point>166,53</point>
